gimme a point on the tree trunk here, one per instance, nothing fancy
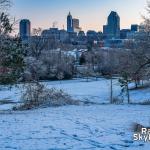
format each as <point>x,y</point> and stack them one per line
<point>128,94</point>
<point>111,90</point>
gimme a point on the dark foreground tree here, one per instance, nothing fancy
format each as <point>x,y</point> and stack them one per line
<point>11,60</point>
<point>11,54</point>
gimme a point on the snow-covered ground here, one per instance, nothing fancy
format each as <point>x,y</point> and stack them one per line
<point>93,127</point>
<point>95,91</point>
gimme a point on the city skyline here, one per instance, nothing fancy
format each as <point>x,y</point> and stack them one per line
<point>92,14</point>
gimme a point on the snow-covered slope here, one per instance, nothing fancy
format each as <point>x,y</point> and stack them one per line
<point>95,91</point>
<point>95,127</point>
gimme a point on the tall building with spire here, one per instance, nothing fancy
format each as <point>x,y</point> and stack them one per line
<point>69,23</point>
<point>112,29</point>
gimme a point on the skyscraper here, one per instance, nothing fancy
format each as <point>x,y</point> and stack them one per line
<point>69,23</point>
<point>76,25</point>
<point>112,29</point>
<point>25,28</point>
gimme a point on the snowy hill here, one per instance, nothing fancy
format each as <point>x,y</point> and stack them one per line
<point>93,127</point>
<point>73,127</point>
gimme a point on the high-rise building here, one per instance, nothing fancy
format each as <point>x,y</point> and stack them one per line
<point>75,23</point>
<point>25,29</point>
<point>76,26</point>
<point>112,29</point>
<point>69,23</point>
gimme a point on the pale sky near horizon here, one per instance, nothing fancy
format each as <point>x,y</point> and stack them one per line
<point>92,13</point>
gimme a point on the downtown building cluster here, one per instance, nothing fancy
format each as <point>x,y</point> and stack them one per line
<point>112,35</point>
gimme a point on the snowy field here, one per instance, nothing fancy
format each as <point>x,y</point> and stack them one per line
<point>73,128</point>
<point>94,91</point>
<point>93,127</point>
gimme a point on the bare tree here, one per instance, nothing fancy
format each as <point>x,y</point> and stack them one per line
<point>5,3</point>
<point>143,43</point>
<point>37,31</point>
<point>5,26</point>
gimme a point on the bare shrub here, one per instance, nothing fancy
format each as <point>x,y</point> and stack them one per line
<point>37,95</point>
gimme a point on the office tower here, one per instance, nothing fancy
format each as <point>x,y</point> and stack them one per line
<point>75,23</point>
<point>112,29</point>
<point>25,28</point>
<point>69,23</point>
<point>76,26</point>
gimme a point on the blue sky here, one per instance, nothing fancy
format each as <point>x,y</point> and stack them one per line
<point>92,13</point>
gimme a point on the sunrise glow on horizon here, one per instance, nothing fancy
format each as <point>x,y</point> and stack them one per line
<point>92,13</point>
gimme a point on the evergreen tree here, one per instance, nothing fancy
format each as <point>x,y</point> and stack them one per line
<point>11,53</point>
